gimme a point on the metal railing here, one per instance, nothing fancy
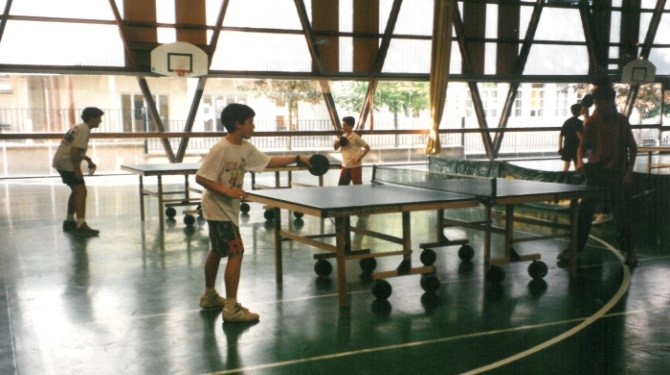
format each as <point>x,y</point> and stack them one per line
<point>275,136</point>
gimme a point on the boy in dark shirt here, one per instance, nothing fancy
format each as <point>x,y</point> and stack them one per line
<point>570,137</point>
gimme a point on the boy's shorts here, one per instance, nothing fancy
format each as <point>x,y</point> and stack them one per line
<point>225,238</point>
<point>70,179</point>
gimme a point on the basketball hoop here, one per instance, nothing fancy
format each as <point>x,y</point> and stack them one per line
<point>179,59</point>
<point>638,71</point>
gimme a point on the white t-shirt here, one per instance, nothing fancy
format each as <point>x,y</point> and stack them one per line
<point>226,164</point>
<point>77,136</point>
<point>352,151</point>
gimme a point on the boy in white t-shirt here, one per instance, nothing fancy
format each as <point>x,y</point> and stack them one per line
<point>67,161</point>
<point>222,175</point>
<point>353,149</point>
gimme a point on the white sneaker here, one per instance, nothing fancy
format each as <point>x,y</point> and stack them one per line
<point>214,302</point>
<point>600,218</point>
<point>239,314</point>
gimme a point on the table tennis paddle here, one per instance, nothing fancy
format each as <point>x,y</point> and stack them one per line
<point>344,141</point>
<point>320,165</point>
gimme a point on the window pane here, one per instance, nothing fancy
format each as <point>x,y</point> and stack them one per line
<point>280,14</point>
<point>408,56</point>
<point>87,9</point>
<point>61,44</point>
<point>165,11</point>
<point>660,57</point>
<point>413,19</point>
<point>260,51</point>
<point>560,24</point>
<point>542,59</point>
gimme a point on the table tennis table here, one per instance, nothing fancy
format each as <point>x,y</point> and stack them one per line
<point>650,150</point>
<point>186,195</point>
<point>182,196</point>
<point>405,195</point>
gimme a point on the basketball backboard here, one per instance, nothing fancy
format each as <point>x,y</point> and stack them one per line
<point>179,59</point>
<point>638,71</point>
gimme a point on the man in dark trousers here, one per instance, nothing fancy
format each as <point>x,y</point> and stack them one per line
<point>610,148</point>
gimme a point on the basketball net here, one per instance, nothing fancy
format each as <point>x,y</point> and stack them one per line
<point>180,72</point>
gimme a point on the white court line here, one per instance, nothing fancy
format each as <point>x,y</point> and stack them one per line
<point>585,322</point>
<point>625,283</point>
<point>414,344</point>
<point>10,325</point>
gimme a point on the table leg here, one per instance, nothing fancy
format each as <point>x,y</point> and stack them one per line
<point>186,192</point>
<point>278,246</point>
<point>509,231</point>
<point>161,220</point>
<point>341,235</point>
<point>487,236</point>
<point>439,226</point>
<point>406,236</point>
<point>574,230</point>
<point>141,198</point>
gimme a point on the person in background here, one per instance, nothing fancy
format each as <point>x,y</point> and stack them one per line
<point>67,161</point>
<point>610,149</point>
<point>353,149</point>
<point>602,213</point>
<point>570,136</point>
<point>222,175</point>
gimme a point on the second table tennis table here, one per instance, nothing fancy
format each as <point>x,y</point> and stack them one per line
<point>184,194</point>
<point>343,202</point>
<point>650,150</point>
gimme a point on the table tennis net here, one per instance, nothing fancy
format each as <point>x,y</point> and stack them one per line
<point>457,183</point>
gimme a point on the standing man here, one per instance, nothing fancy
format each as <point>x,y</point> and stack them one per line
<point>222,175</point>
<point>67,161</point>
<point>353,149</point>
<point>610,148</point>
<point>570,137</point>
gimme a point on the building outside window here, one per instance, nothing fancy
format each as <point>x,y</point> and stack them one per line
<point>562,101</point>
<point>211,108</point>
<point>537,100</point>
<point>136,117</point>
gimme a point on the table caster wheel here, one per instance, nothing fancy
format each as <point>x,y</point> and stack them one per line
<point>323,268</point>
<point>189,220</point>
<point>170,212</point>
<point>404,268</point>
<point>495,275</point>
<point>382,289</point>
<point>466,253</point>
<point>537,269</point>
<point>428,257</point>
<point>368,264</point>
<point>430,283</point>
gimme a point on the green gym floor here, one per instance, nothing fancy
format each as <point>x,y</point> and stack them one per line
<point>127,301</point>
